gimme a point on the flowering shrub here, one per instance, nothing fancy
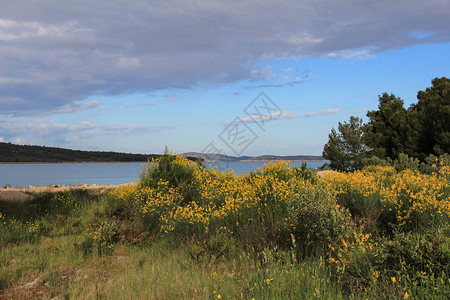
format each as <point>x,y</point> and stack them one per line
<point>15,230</point>
<point>350,220</point>
<point>408,198</point>
<point>100,239</point>
<point>265,206</point>
<point>319,221</point>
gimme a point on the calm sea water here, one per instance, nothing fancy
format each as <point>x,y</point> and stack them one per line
<point>23,175</point>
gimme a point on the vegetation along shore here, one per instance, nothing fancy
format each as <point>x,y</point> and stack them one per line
<point>185,231</point>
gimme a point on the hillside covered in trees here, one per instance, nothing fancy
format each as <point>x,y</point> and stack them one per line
<point>18,153</point>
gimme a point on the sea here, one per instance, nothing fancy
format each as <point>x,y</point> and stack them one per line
<point>47,174</point>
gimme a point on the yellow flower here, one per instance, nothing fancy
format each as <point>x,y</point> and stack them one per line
<point>406,296</point>
<point>394,280</point>
<point>219,297</point>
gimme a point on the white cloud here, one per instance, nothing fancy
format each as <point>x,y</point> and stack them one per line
<point>78,106</point>
<point>303,39</point>
<point>140,105</point>
<point>171,97</point>
<point>12,30</point>
<point>364,109</point>
<point>288,115</point>
<point>19,141</point>
<point>129,63</point>
<point>10,80</point>
<point>265,73</point>
<point>11,100</point>
<point>322,113</point>
<point>351,54</point>
<point>268,117</point>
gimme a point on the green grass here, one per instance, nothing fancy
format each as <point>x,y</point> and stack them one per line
<point>159,271</point>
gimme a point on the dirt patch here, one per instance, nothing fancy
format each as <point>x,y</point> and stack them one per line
<point>14,195</point>
<point>326,173</point>
<point>63,188</point>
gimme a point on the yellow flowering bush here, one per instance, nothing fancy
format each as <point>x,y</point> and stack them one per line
<point>14,230</point>
<point>348,219</point>
<point>318,219</point>
<point>101,238</point>
<point>407,198</point>
<point>149,204</point>
<point>184,197</point>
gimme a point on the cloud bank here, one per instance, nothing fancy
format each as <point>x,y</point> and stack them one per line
<point>54,53</point>
<point>37,131</point>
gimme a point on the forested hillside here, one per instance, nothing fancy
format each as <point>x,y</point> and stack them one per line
<point>18,153</point>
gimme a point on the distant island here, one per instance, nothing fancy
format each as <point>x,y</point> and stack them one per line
<point>12,153</point>
<point>222,157</point>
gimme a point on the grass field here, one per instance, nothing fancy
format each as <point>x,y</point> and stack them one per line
<point>183,231</point>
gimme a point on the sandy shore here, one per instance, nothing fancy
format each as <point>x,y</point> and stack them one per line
<point>25,194</point>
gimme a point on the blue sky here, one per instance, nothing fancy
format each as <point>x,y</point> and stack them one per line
<point>105,75</point>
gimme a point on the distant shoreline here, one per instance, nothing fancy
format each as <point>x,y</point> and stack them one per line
<point>250,160</point>
<point>67,162</point>
<point>126,162</point>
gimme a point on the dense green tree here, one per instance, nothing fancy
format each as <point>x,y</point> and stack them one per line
<point>345,149</point>
<point>429,120</point>
<point>395,133</point>
<point>386,130</point>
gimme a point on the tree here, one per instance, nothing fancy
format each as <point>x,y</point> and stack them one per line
<point>345,149</point>
<point>421,130</point>
<point>386,130</point>
<point>430,120</point>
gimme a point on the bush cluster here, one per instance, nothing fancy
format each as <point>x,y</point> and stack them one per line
<point>360,222</point>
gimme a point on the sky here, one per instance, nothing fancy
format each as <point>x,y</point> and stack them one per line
<point>233,77</point>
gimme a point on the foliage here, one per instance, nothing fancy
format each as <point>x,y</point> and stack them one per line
<point>25,153</point>
<point>381,195</point>
<point>278,232</point>
<point>318,221</point>
<point>416,254</point>
<point>429,120</point>
<point>101,239</point>
<point>404,162</point>
<point>176,170</point>
<point>434,164</point>
<point>376,161</point>
<point>346,149</point>
<point>385,131</point>
<point>397,136</point>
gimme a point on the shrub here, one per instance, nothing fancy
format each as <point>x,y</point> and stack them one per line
<point>352,262</point>
<point>376,161</point>
<point>176,170</point>
<point>433,164</point>
<point>101,239</point>
<point>319,221</point>
<point>416,254</point>
<point>408,198</point>
<point>404,162</point>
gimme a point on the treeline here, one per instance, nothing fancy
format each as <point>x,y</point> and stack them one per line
<point>414,135</point>
<point>18,153</point>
